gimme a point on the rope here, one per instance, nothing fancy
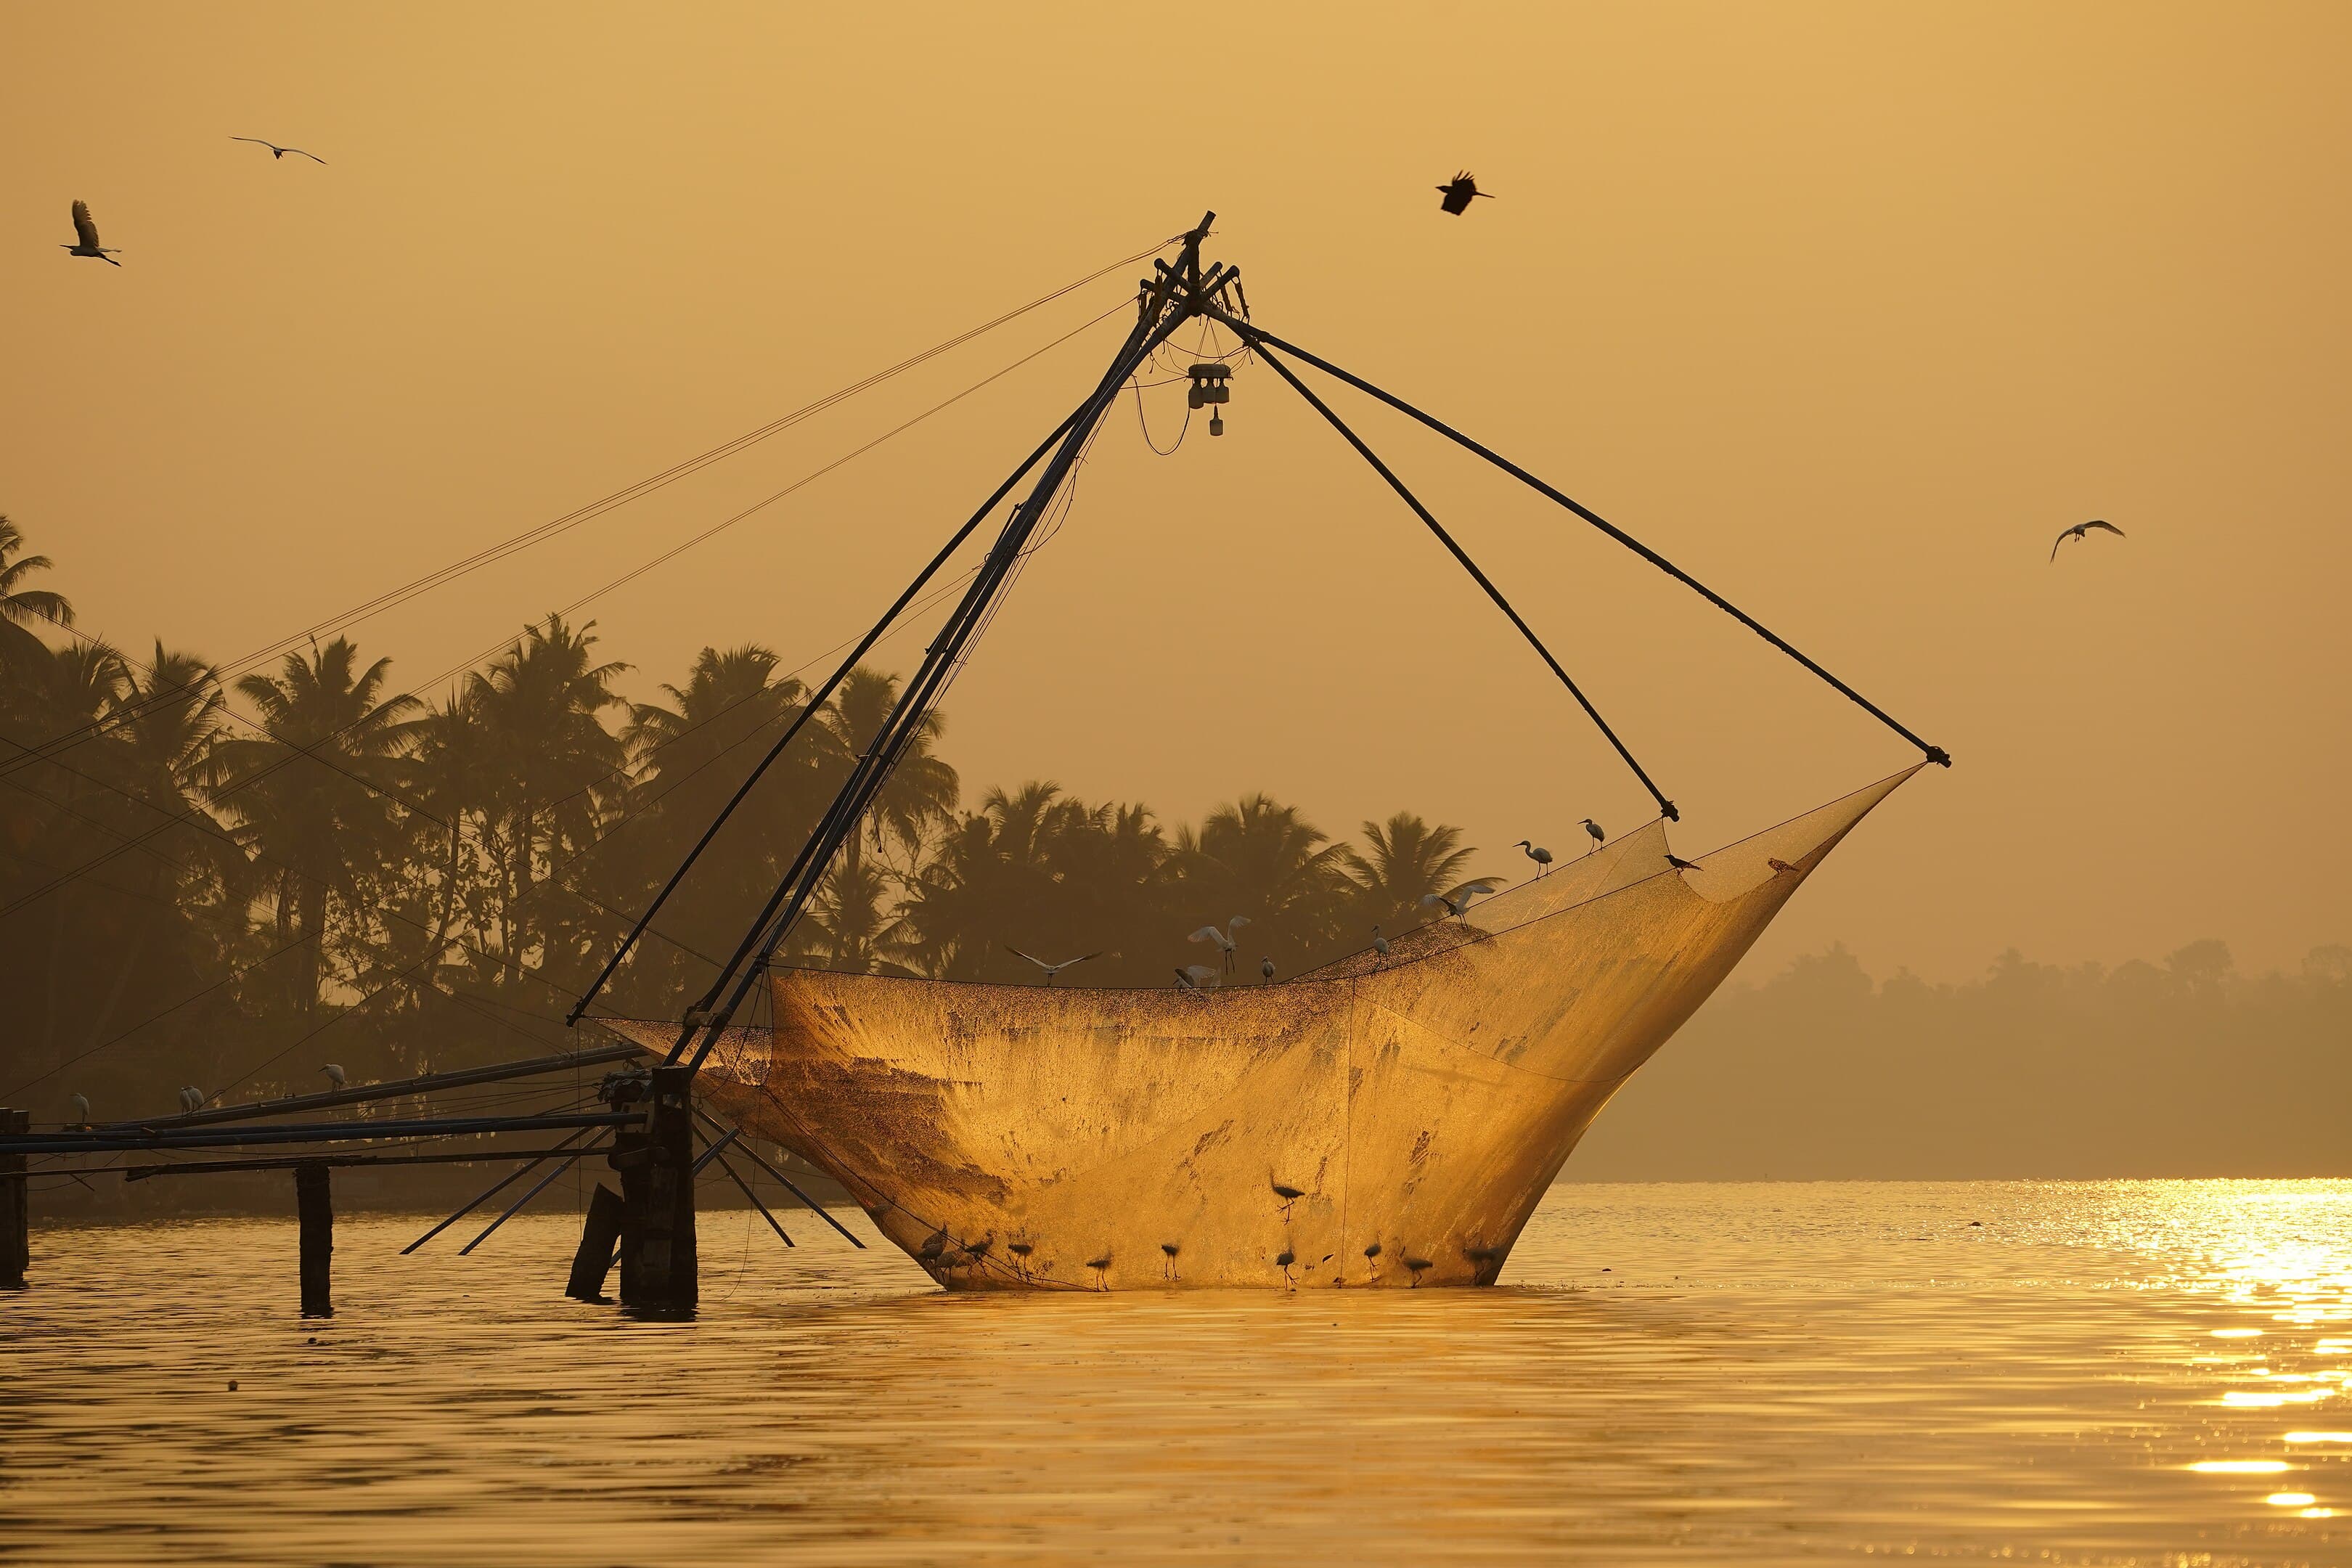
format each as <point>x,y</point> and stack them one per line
<point>541,532</point>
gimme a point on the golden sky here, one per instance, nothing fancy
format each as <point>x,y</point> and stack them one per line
<point>1846,308</point>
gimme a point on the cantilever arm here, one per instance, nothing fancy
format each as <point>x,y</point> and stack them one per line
<point>1260,340</point>
<point>1664,805</point>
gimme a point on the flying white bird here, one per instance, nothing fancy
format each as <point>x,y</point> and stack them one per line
<point>191,1097</point>
<point>334,1074</point>
<point>2080,530</point>
<point>80,1104</point>
<point>86,237</point>
<point>276,151</point>
<point>1535,852</point>
<point>1052,969</point>
<point>1459,898</point>
<point>1197,977</point>
<point>1223,939</point>
<point>1593,830</point>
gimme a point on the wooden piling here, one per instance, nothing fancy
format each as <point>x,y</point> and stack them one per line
<point>667,1256</point>
<point>598,1237</point>
<point>314,1202</point>
<point>16,1206</point>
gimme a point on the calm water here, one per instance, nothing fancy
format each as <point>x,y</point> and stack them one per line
<point>1745,1373</point>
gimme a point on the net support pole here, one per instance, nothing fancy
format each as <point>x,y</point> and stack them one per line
<point>1666,806</point>
<point>816,700</point>
<point>1261,340</point>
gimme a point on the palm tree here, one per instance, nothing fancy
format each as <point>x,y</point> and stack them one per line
<point>993,879</point>
<point>847,928</point>
<point>21,606</point>
<point>1261,858</point>
<point>922,790</point>
<point>1408,860</point>
<point>314,792</point>
<point>556,772</point>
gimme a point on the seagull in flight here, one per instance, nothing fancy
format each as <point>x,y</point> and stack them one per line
<point>1223,939</point>
<point>1459,898</point>
<point>1454,195</point>
<point>86,237</point>
<point>2082,531</point>
<point>1053,969</point>
<point>277,152</point>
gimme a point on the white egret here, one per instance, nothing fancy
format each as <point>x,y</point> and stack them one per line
<point>1223,939</point>
<point>334,1074</point>
<point>1459,898</point>
<point>80,1104</point>
<point>1052,969</point>
<point>1535,852</point>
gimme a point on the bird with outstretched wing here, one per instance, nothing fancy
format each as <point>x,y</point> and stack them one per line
<point>2082,531</point>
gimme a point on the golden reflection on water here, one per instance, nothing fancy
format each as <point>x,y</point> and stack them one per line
<point>1751,1373</point>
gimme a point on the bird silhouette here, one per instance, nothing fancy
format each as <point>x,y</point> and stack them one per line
<point>191,1097</point>
<point>1282,1260</point>
<point>933,1245</point>
<point>1777,864</point>
<point>1416,1265</point>
<point>1679,864</point>
<point>1288,1196</point>
<point>1167,1268</point>
<point>1265,969</point>
<point>1457,192</point>
<point>1052,969</point>
<point>1197,977</point>
<point>2080,530</point>
<point>277,152</point>
<point>335,1075</point>
<point>1223,939</point>
<point>86,238</point>
<point>1379,942</point>
<point>1100,1265</point>
<point>1592,830</point>
<point>1459,900</point>
<point>80,1103</point>
<point>1535,852</point>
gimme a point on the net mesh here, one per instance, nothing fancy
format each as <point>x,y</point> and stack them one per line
<point>1388,1120</point>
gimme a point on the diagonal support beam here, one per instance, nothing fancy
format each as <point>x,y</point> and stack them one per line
<point>1261,340</point>
<point>1664,805</point>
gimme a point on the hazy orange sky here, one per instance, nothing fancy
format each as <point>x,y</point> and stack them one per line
<point>1847,307</point>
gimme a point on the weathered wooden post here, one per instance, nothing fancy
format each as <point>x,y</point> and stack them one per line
<point>598,1237</point>
<point>661,1223</point>
<point>314,1202</point>
<point>16,1206</point>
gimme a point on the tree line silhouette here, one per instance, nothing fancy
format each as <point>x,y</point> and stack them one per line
<point>227,882</point>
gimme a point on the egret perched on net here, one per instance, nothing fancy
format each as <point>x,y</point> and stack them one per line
<point>86,237</point>
<point>277,152</point>
<point>1459,898</point>
<point>2080,530</point>
<point>1535,852</point>
<point>1052,969</point>
<point>1379,942</point>
<point>80,1105</point>
<point>1592,830</point>
<point>334,1074</point>
<point>1197,977</point>
<point>191,1097</point>
<point>1265,969</point>
<point>1223,939</point>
